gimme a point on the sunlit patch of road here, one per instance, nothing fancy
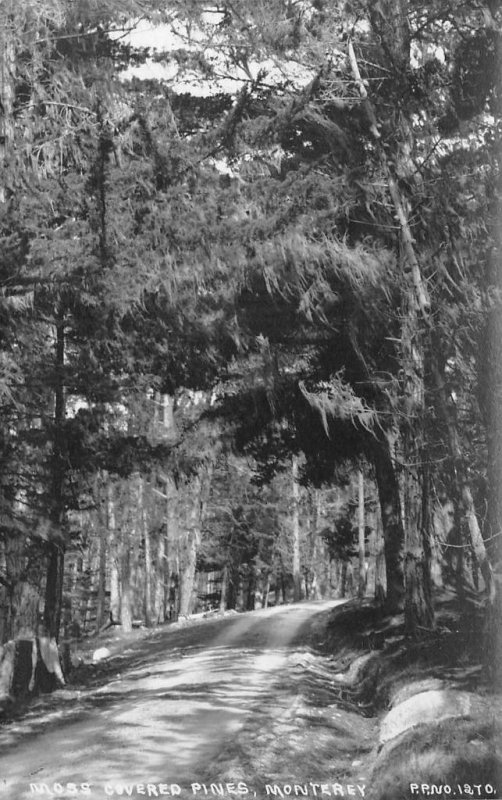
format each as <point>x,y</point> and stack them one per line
<point>183,712</point>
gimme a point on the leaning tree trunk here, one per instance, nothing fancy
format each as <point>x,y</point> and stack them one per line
<point>390,25</point>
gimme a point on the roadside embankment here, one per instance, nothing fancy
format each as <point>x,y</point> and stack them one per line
<point>440,725</point>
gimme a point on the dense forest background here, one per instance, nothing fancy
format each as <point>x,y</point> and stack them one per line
<point>250,294</point>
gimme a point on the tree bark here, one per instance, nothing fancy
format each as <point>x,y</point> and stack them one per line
<point>250,600</point>
<point>266,591</point>
<point>56,546</point>
<point>189,543</point>
<point>224,588</point>
<point>390,24</point>
<point>126,591</point>
<point>380,574</point>
<point>361,530</point>
<point>392,524</point>
<point>103,551</point>
<point>315,513</point>
<point>161,580</point>
<point>188,558</point>
<point>114,554</point>
<point>148,554</point>
<point>7,68</point>
<point>418,611</point>
<point>295,528</point>
<point>491,401</point>
<point>459,485</point>
<point>172,549</point>
<point>342,585</point>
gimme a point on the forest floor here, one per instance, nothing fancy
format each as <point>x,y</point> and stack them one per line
<point>275,703</point>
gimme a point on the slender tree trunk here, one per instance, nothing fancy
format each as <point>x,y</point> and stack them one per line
<point>172,549</point>
<point>491,383</point>
<point>250,600</point>
<point>380,573</point>
<point>161,580</point>
<point>148,578</point>
<point>277,590</point>
<point>126,534</point>
<point>315,501</point>
<point>233,585</point>
<point>56,546</point>
<point>148,553</point>
<point>361,531</point>
<point>419,613</point>
<point>114,554</point>
<point>266,591</point>
<point>459,485</point>
<point>126,591</point>
<point>418,599</point>
<point>224,588</point>
<point>168,566</point>
<point>392,525</point>
<point>342,586</point>
<point>7,74</point>
<point>188,560</point>
<point>189,545</point>
<point>295,526</point>
<point>100,482</point>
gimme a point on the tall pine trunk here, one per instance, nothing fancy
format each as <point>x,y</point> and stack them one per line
<point>392,521</point>
<point>224,588</point>
<point>188,560</point>
<point>389,20</point>
<point>7,68</point>
<point>419,613</point>
<point>189,543</point>
<point>491,384</point>
<point>114,554</point>
<point>460,488</point>
<point>56,545</point>
<point>315,512</point>
<point>146,536</point>
<point>361,530</point>
<point>103,550</point>
<point>295,531</point>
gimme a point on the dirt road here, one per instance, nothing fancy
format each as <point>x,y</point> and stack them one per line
<point>224,708</point>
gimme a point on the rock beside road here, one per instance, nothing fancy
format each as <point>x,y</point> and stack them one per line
<point>430,707</point>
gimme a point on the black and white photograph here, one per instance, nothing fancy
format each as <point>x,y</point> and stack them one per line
<point>251,399</point>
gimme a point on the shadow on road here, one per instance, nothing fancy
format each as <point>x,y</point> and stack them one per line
<point>183,706</point>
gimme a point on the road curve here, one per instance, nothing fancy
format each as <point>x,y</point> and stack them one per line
<point>167,719</point>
